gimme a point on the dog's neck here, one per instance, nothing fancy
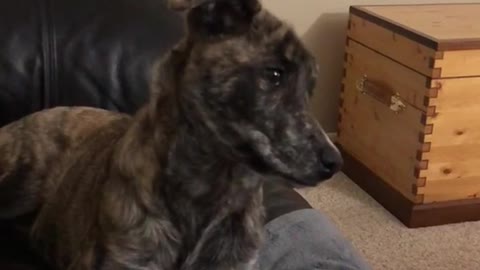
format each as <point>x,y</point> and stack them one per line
<point>172,160</point>
<point>171,169</point>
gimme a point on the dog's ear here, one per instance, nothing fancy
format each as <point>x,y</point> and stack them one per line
<point>217,17</point>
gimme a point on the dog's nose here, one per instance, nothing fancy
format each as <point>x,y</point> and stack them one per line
<point>331,160</point>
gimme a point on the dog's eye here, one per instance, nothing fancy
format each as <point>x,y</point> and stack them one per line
<point>274,76</point>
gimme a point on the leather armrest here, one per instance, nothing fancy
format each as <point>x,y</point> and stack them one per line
<point>280,199</point>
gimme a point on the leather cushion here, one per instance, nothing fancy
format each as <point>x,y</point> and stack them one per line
<point>80,52</point>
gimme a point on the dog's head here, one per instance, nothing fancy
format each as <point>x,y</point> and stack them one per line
<point>247,78</point>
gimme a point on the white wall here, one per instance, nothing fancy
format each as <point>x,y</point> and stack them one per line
<point>322,25</point>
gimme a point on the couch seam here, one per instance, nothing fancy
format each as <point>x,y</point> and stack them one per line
<point>48,49</point>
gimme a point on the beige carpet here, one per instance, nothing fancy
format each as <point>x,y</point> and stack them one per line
<point>388,244</point>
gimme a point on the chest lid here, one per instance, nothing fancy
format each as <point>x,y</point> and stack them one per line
<point>437,40</point>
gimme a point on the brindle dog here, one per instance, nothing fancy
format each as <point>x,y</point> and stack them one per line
<point>179,184</point>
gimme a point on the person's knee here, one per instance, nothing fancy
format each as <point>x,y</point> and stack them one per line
<point>306,239</point>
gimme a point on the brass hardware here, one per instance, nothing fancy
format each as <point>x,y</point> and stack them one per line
<point>382,93</point>
<point>396,104</point>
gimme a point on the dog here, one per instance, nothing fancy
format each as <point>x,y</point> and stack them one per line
<point>178,185</point>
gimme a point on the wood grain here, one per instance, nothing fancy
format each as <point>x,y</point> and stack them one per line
<point>455,94</point>
<point>463,63</point>
<point>449,190</point>
<point>395,46</point>
<point>454,127</point>
<point>453,155</point>
<point>456,152</point>
<point>451,170</point>
<point>438,22</point>
<point>386,142</point>
<point>412,86</point>
<point>441,27</point>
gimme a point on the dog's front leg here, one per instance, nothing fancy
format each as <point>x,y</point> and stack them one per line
<point>20,183</point>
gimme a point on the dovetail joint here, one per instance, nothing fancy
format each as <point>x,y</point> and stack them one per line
<point>425,147</point>
<point>438,55</point>
<point>428,128</point>
<point>431,111</point>
<point>436,73</point>
<point>419,155</point>
<point>417,172</point>
<point>349,23</point>
<point>347,41</point>
<point>421,182</point>
<point>422,165</point>
<point>420,198</point>
<point>431,62</point>
<point>415,191</point>
<point>339,125</point>
<point>427,131</point>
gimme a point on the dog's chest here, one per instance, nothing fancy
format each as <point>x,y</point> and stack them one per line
<point>229,241</point>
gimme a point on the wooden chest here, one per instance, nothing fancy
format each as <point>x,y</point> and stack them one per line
<point>409,120</point>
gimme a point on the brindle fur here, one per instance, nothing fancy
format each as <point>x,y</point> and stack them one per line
<point>179,184</point>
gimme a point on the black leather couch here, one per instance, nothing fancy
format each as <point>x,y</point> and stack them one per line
<point>86,52</point>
